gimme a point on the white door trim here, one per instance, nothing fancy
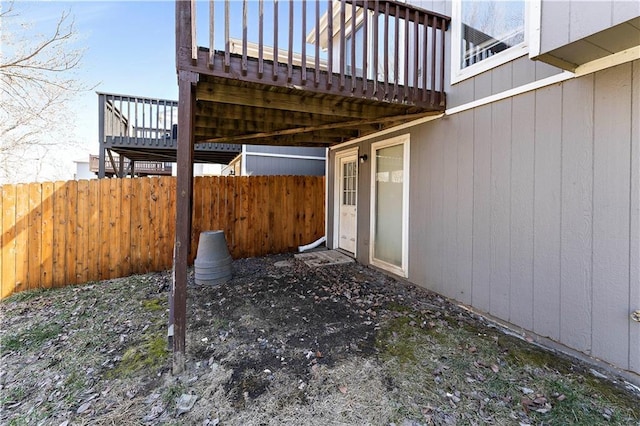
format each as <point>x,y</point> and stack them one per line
<point>337,195</point>
<point>404,269</point>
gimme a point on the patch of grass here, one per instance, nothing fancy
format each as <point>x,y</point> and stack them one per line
<point>150,354</point>
<point>24,296</point>
<point>401,337</point>
<point>12,395</point>
<point>397,307</point>
<point>30,339</point>
<point>457,365</point>
<point>73,384</point>
<point>154,305</point>
<point>173,392</point>
<point>18,421</point>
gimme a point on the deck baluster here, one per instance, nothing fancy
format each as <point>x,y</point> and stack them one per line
<point>317,45</point>
<point>376,18</point>
<point>274,74</point>
<point>396,53</point>
<point>290,52</point>
<point>434,35</point>
<point>227,46</point>
<point>424,57</point>
<point>365,47</point>
<point>443,28</point>
<point>244,38</point>
<point>211,32</point>
<point>416,58</point>
<point>260,39</point>
<point>330,45</point>
<point>386,50</point>
<point>342,42</point>
<point>405,80</point>
<point>354,71</point>
<point>303,69</point>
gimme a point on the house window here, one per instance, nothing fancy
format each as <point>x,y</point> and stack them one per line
<point>486,34</point>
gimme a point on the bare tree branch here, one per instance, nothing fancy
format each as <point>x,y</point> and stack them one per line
<point>37,84</point>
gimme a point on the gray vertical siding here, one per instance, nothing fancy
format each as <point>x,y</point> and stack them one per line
<point>554,218</point>
<point>521,245</point>
<point>546,211</point>
<point>481,238</point>
<point>529,209</point>
<point>462,288</point>
<point>576,220</point>
<point>611,214</point>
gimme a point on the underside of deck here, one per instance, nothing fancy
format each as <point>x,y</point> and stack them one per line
<point>232,108</point>
<point>153,149</point>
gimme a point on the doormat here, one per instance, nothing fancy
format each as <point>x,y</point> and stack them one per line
<point>323,258</point>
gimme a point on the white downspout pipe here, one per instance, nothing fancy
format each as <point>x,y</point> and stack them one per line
<point>312,245</point>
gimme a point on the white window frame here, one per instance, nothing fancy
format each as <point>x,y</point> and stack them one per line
<point>337,195</point>
<point>403,270</point>
<point>459,74</point>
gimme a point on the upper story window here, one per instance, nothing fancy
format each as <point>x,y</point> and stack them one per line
<point>486,34</point>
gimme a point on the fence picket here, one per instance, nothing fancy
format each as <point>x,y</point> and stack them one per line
<point>34,249</point>
<point>82,234</point>
<point>71,231</point>
<point>125,227</point>
<point>145,224</point>
<point>94,231</point>
<point>104,211</point>
<point>59,233</point>
<point>46,260</point>
<point>8,233</point>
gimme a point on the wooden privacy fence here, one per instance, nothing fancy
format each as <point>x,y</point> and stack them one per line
<point>62,233</point>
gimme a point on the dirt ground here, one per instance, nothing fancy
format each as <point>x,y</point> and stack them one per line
<point>283,343</point>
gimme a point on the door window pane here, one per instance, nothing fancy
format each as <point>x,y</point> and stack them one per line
<point>349,176</point>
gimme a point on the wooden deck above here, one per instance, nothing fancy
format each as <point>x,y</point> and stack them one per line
<point>338,88</point>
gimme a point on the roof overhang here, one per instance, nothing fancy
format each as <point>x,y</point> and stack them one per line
<point>608,42</point>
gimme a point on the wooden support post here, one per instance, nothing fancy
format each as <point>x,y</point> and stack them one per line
<point>186,109</point>
<point>121,172</point>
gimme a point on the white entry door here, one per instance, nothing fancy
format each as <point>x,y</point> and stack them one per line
<point>347,194</point>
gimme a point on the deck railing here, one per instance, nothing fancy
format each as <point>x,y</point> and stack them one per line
<point>378,49</point>
<point>137,118</point>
